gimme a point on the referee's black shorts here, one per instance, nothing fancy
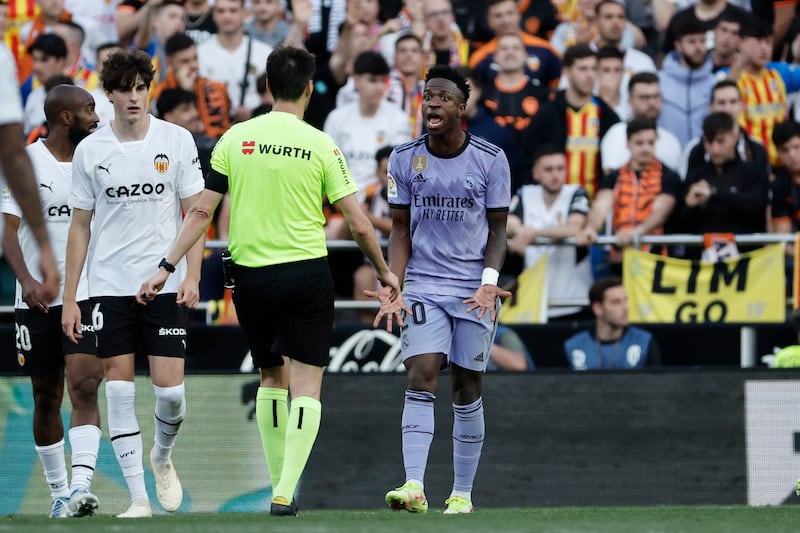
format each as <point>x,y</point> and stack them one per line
<point>286,309</point>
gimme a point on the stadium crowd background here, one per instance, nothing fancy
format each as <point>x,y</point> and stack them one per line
<point>549,78</point>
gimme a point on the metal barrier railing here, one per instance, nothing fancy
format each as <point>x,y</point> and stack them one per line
<point>747,334</point>
<point>687,239</point>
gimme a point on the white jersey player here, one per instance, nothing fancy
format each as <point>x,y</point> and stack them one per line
<point>43,351</point>
<point>135,176</point>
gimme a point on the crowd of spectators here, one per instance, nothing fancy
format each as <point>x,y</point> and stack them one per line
<point>628,117</point>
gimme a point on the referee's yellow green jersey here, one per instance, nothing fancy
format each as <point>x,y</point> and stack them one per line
<point>279,169</point>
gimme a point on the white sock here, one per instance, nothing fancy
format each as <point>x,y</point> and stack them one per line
<point>84,441</point>
<point>125,435</point>
<point>169,412</point>
<point>55,468</point>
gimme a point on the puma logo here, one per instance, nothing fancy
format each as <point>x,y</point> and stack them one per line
<point>101,167</point>
<point>43,186</point>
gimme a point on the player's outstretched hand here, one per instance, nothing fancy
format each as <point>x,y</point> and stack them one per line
<point>392,307</point>
<point>51,279</point>
<point>485,299</point>
<point>71,321</point>
<point>391,299</point>
<point>189,292</point>
<point>147,292</point>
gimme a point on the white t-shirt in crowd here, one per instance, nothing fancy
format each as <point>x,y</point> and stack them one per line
<point>359,137</point>
<point>135,190</point>
<point>55,183</point>
<point>614,148</point>
<point>567,277</point>
<point>228,67</point>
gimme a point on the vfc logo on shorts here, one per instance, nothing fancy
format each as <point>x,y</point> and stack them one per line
<point>248,147</point>
<point>21,358</point>
<point>420,163</point>
<point>161,163</point>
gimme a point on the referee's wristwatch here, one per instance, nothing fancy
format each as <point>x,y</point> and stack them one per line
<point>166,266</point>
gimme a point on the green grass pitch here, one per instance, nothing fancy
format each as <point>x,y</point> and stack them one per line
<point>541,520</point>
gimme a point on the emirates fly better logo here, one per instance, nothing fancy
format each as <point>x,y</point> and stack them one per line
<point>248,147</point>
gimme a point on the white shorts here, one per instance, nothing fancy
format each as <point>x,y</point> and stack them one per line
<point>441,324</point>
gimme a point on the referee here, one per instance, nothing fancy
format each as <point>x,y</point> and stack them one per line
<point>277,169</point>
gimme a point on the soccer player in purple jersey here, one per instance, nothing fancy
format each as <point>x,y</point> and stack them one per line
<point>449,194</point>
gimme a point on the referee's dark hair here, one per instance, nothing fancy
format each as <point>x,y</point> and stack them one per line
<point>289,70</point>
<point>447,72</point>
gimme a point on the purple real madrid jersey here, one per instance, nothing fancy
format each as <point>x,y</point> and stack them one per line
<point>448,197</point>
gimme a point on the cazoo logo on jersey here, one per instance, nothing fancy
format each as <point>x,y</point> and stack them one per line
<point>134,190</point>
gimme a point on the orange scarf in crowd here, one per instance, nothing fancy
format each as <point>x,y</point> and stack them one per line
<point>212,101</point>
<point>634,199</point>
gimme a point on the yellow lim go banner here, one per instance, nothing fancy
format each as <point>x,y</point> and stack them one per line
<point>751,288</point>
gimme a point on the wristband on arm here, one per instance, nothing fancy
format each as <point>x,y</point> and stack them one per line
<point>489,276</point>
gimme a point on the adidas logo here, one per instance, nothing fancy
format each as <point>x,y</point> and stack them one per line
<point>419,178</point>
<point>479,357</point>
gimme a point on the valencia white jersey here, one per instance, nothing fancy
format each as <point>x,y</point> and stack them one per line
<point>568,275</point>
<point>55,183</point>
<point>135,190</point>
